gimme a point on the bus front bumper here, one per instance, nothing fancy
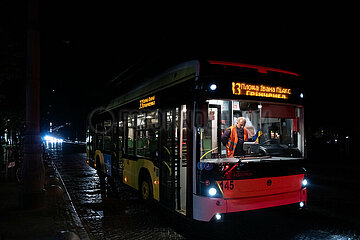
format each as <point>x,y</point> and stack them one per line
<point>205,208</point>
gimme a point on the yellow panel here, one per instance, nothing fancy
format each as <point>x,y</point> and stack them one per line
<point>132,170</point>
<point>101,157</point>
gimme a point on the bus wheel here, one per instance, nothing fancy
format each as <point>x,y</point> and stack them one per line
<point>145,189</point>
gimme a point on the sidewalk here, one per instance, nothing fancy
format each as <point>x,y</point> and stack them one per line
<point>57,219</point>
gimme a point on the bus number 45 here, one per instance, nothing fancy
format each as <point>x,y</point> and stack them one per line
<point>229,185</point>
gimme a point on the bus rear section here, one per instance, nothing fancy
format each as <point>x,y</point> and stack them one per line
<point>237,185</point>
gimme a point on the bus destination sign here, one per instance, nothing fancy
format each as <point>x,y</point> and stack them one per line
<point>147,102</point>
<point>259,90</point>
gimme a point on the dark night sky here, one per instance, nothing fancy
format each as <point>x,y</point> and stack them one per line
<point>84,45</point>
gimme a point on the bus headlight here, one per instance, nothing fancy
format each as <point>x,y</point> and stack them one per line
<point>218,216</point>
<point>304,182</point>
<point>212,191</point>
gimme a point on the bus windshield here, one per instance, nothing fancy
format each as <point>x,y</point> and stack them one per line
<point>273,130</point>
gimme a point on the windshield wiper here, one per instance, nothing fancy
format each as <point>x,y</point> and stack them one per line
<point>241,159</point>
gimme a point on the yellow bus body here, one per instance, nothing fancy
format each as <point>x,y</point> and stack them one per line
<point>131,172</point>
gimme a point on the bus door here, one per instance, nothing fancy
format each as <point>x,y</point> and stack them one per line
<point>167,159</point>
<point>172,168</point>
<point>212,142</point>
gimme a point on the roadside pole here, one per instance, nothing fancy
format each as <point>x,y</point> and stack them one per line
<point>33,173</point>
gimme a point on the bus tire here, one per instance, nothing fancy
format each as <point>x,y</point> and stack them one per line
<point>145,186</point>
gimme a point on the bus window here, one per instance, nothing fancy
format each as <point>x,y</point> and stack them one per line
<point>152,133</point>
<point>140,135</point>
<point>107,135</point>
<point>130,134</point>
<point>209,134</point>
<point>120,140</point>
<point>89,140</point>
<point>147,134</point>
<point>99,136</point>
<point>183,136</point>
<point>274,128</point>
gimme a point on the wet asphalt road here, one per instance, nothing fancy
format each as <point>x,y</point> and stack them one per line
<point>105,216</point>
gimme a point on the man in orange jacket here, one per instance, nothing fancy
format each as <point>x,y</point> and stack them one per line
<point>233,138</point>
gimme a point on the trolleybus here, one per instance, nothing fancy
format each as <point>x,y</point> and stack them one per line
<point>164,139</point>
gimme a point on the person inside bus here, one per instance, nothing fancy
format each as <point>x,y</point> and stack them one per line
<point>233,138</point>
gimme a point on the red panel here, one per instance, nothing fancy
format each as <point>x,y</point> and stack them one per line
<point>260,69</point>
<point>246,204</point>
<point>295,125</point>
<point>277,111</point>
<point>248,188</point>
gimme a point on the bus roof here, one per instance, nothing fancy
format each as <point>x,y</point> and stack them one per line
<point>178,74</point>
<point>260,69</point>
<point>175,75</point>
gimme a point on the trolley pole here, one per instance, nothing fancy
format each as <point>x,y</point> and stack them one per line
<point>33,173</point>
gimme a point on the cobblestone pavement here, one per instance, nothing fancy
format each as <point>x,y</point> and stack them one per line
<point>105,216</point>
<point>125,217</point>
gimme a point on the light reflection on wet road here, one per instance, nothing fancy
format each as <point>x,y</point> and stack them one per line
<point>124,217</point>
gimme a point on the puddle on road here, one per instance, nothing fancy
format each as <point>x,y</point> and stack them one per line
<point>326,235</point>
<point>91,191</point>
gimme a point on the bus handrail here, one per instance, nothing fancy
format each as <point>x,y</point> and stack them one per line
<point>208,152</point>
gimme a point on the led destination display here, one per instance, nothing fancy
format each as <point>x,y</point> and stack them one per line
<point>259,90</point>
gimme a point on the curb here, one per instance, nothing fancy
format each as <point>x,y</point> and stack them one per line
<point>74,215</point>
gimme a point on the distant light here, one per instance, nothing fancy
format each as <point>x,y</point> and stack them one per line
<point>212,191</point>
<point>301,204</point>
<point>259,106</point>
<point>51,139</point>
<point>347,137</point>
<point>335,140</point>
<point>48,138</point>
<point>213,87</point>
<point>218,216</point>
<point>301,95</point>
